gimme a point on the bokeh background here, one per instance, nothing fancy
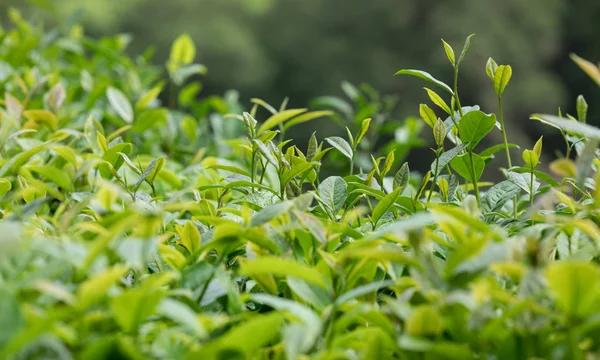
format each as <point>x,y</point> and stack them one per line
<point>305,48</point>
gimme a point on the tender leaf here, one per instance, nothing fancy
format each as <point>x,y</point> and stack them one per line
<point>279,118</point>
<point>465,49</point>
<point>427,77</point>
<point>590,69</point>
<point>428,115</point>
<point>490,68</point>
<point>582,108</point>
<point>364,127</point>
<point>402,176</point>
<point>449,52</point>
<point>43,117</point>
<point>183,51</point>
<point>501,78</point>
<point>436,99</point>
<point>55,175</point>
<point>306,117</point>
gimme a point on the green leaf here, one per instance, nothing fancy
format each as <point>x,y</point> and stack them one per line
<point>496,148</point>
<point>428,115</point>
<point>498,195</point>
<point>148,97</point>
<point>501,78</point>
<point>465,49</point>
<point>5,186</point>
<point>402,176</point>
<point>570,126</point>
<point>160,163</point>
<point>427,77</point>
<point>150,119</point>
<point>95,288</point>
<point>333,191</point>
<point>264,104</point>
<point>243,340</point>
<point>55,175</point>
<point>449,52</point>
<point>462,165</point>
<point>314,226</point>
<point>42,117</point>
<point>362,290</point>
<point>307,117</point>
<point>120,104</point>
<point>311,320</point>
<point>425,321</point>
<point>313,295</point>
<point>575,286</point>
<point>474,125</point>
<point>387,164</point>
<point>279,118</point>
<point>342,145</point>
<point>271,265</point>
<point>445,158</point>
<point>384,205</point>
<point>133,306</point>
<point>11,320</point>
<point>297,170</point>
<point>271,212</point>
<point>436,99</point>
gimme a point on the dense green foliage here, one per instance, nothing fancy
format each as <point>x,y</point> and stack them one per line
<point>141,221</point>
<point>301,49</point>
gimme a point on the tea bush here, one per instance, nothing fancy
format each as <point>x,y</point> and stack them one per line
<point>142,220</point>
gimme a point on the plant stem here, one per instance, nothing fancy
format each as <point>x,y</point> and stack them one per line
<point>503,128</point>
<point>456,91</point>
<point>531,194</point>
<point>506,149</point>
<point>435,176</point>
<point>473,180</point>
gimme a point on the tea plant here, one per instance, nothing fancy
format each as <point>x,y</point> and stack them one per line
<point>141,220</point>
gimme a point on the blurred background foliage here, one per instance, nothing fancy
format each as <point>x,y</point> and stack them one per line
<point>302,49</point>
